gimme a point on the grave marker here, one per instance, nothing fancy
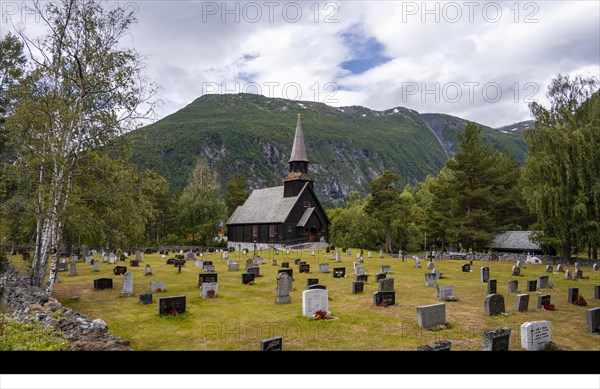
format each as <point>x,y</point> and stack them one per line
<point>385,269</point>
<point>148,270</point>
<point>233,267</point>
<point>430,316</point>
<point>496,340</point>
<point>466,268</point>
<point>157,286</point>
<point>362,278</point>
<point>430,279</point>
<point>494,304</point>
<point>284,285</point>
<point>72,269</point>
<point>285,264</point>
<point>384,299</point>
<point>543,300</point>
<point>385,285</point>
<point>522,302</point>
<point>247,278</point>
<point>103,283</point>
<point>304,268</point>
<point>573,295</point>
<point>549,269</point>
<point>516,271</point>
<point>289,272</point>
<point>120,270</point>
<point>207,277</point>
<point>209,290</point>
<point>171,305</point>
<point>271,344</point>
<point>593,320</point>
<point>314,301</point>
<point>316,286</point>
<point>484,274</point>
<point>535,335</point>
<point>491,286</point>
<point>323,268</point>
<point>531,285</point>
<point>568,275</point>
<point>311,281</point>
<point>134,263</point>
<point>339,272</point>
<point>444,345</point>
<point>95,265</point>
<point>512,286</point>
<point>127,285</point>
<point>145,298</point>
<point>358,287</point>
<point>445,293</point>
<point>542,282</point>
<point>254,270</point>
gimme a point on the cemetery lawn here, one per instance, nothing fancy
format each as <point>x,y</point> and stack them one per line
<point>241,315</point>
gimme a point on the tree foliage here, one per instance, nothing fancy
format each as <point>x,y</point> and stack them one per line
<point>237,193</point>
<point>384,203</point>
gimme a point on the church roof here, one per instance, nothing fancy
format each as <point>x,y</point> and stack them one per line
<point>514,240</point>
<point>299,148</point>
<point>265,206</point>
<point>304,219</point>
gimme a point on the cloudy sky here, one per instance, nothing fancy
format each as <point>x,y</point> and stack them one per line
<point>480,60</point>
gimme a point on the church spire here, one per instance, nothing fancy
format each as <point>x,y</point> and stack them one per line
<point>298,148</point>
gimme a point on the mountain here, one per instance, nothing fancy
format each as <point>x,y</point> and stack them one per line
<point>516,128</point>
<point>347,146</point>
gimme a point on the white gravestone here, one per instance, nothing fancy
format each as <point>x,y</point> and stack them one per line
<point>199,263</point>
<point>157,286</point>
<point>369,255</point>
<point>314,300</point>
<point>323,268</point>
<point>127,285</point>
<point>209,286</point>
<point>360,271</point>
<point>535,335</point>
<point>430,316</point>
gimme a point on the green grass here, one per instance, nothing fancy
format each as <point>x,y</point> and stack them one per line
<point>242,314</point>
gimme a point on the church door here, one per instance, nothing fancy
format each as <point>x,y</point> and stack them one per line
<point>312,235</point>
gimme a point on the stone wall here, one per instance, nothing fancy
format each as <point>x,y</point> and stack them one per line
<point>29,303</point>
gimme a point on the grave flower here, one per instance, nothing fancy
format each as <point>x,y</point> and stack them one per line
<point>250,283</point>
<point>383,304</point>
<point>210,294</point>
<point>580,301</point>
<point>549,307</point>
<point>172,312</point>
<point>322,315</point>
<point>158,290</point>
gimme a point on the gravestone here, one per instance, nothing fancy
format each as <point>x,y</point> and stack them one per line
<point>127,285</point>
<point>338,256</point>
<point>578,273</point>
<point>190,256</point>
<point>233,267</point>
<point>258,260</point>
<point>245,251</point>
<point>380,276</point>
<point>104,257</point>
<point>103,283</point>
<point>356,265</point>
<point>271,344</point>
<point>516,271</point>
<point>72,269</point>
<point>430,316</point>
<point>304,268</point>
<point>179,256</point>
<point>430,265</point>
<point>417,263</point>
<point>247,278</point>
<point>148,270</point>
<point>297,261</point>
<point>593,320</point>
<point>145,298</point>
<point>120,270</point>
<point>62,267</point>
<point>138,255</point>
<point>444,345</point>
<point>339,272</point>
<point>437,272</point>
<point>311,281</point>
<point>284,285</point>
<point>445,293</point>
<point>596,267</point>
<point>543,300</point>
<point>312,253</point>
<point>225,254</point>
<point>369,255</point>
<point>430,279</point>
<point>207,263</point>
<point>549,269</point>
<point>597,292</point>
<point>289,272</point>
<point>285,264</point>
<point>313,301</point>
<point>519,263</point>
<point>362,278</point>
<point>157,286</point>
<point>385,285</point>
<point>491,286</point>
<point>316,286</point>
<point>568,275</point>
<point>95,265</point>
<point>274,262</point>
<point>323,268</point>
<point>573,295</point>
<point>207,277</point>
<point>134,263</point>
<point>209,290</point>
<point>384,299</point>
<point>199,263</point>
<point>171,305</point>
<point>484,273</point>
<point>254,270</point>
<point>380,254</point>
<point>360,271</point>
<point>385,269</point>
<point>522,303</point>
<point>531,285</point>
<point>535,335</point>
<point>513,286</point>
<point>358,287</point>
<point>494,304</point>
<point>559,268</point>
<point>249,263</point>
<point>496,340</point>
<point>209,268</point>
<point>542,282</point>
<point>171,261</point>
<point>466,268</point>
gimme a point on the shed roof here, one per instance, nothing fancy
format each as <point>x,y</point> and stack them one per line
<point>514,240</point>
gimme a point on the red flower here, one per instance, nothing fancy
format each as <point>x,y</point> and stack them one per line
<point>383,304</point>
<point>158,290</point>
<point>580,301</point>
<point>173,312</point>
<point>549,307</point>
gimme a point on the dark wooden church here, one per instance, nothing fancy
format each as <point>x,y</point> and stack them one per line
<point>286,215</point>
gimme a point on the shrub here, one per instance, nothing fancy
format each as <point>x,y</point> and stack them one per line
<point>19,336</point>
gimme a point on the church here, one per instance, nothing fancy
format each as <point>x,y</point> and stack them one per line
<point>283,215</point>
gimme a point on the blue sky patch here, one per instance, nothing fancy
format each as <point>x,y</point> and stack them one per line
<point>367,52</point>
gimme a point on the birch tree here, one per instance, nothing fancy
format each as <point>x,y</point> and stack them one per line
<point>84,91</point>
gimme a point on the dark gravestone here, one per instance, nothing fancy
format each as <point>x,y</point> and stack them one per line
<point>62,267</point>
<point>304,268</point>
<point>380,276</point>
<point>339,272</point>
<point>542,282</point>
<point>549,269</point>
<point>485,274</point>
<point>597,291</point>
<point>491,286</point>
<point>171,305</point>
<point>385,285</point>
<point>317,286</point>
<point>247,278</point>
<point>179,256</point>
<point>513,286</point>
<point>207,277</point>
<point>271,344</point>
<point>516,271</point>
<point>531,285</point>
<point>578,273</point>
<point>522,302</point>
<point>311,281</point>
<point>290,272</point>
<point>466,268</point>
<point>254,270</point>
<point>134,263</point>
<point>496,340</point>
<point>296,261</point>
<point>170,261</point>
<point>593,320</point>
<point>543,300</point>
<point>384,298</point>
<point>285,264</point>
<point>145,298</point>
<point>103,283</point>
<point>573,295</point>
<point>362,278</point>
<point>494,304</point>
<point>444,345</point>
<point>120,270</point>
<point>358,287</point>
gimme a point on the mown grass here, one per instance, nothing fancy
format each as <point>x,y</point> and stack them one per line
<point>242,314</point>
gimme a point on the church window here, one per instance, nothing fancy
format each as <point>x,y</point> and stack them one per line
<point>307,204</point>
